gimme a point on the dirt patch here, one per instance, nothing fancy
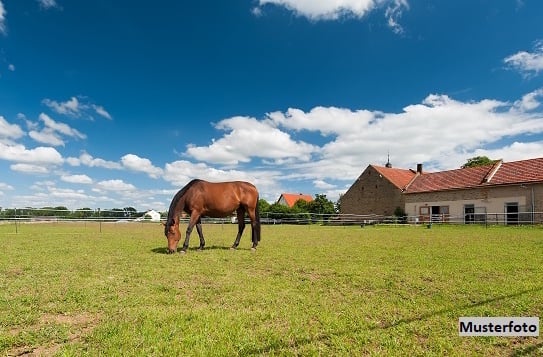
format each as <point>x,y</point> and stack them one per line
<point>80,325</point>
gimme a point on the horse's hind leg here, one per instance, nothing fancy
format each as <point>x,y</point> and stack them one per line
<point>241,225</point>
<point>200,234</point>
<point>255,228</point>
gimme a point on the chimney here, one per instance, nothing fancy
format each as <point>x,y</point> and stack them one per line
<point>419,169</point>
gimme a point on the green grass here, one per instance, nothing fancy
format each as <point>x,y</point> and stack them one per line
<point>74,289</point>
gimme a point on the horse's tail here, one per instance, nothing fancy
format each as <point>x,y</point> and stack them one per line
<point>257,220</point>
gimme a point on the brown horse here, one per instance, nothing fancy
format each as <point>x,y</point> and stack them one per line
<point>201,198</point>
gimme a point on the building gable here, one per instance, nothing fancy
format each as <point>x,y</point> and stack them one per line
<point>289,199</point>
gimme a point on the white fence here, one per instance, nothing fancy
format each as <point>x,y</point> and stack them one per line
<point>120,216</point>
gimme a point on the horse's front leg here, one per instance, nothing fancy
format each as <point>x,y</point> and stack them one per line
<point>194,218</point>
<point>200,234</point>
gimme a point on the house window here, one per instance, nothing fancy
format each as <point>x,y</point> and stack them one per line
<point>424,213</point>
<point>469,213</point>
<point>511,212</point>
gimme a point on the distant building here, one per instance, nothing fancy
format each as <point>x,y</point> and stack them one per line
<point>511,191</point>
<point>289,199</point>
<point>150,215</point>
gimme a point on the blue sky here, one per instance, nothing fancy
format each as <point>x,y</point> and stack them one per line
<point>111,104</point>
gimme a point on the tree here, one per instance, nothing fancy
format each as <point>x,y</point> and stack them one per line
<point>321,205</point>
<point>263,206</point>
<point>300,206</point>
<point>477,161</point>
<point>83,213</point>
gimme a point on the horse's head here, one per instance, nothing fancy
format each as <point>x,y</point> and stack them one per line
<point>171,231</point>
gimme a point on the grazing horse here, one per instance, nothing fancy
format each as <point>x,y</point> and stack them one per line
<point>220,199</point>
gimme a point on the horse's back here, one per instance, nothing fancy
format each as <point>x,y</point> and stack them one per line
<point>229,195</point>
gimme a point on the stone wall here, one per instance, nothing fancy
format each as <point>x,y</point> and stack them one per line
<point>372,194</point>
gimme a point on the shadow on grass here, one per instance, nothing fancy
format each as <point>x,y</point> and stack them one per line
<point>526,350</point>
<point>462,307</point>
<point>164,250</point>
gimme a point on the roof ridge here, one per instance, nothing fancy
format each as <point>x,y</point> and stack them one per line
<point>417,174</point>
<point>493,171</point>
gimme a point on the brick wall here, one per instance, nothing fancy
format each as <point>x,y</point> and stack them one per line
<point>372,194</point>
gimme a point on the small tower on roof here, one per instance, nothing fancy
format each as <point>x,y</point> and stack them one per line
<point>388,164</point>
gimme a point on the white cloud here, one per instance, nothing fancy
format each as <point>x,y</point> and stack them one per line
<point>70,107</point>
<point>40,155</point>
<point>324,9</point>
<point>60,127</point>
<point>323,185</point>
<point>179,173</point>
<point>138,164</point>
<point>248,137</point>
<point>11,67</point>
<point>101,111</point>
<point>5,186</point>
<point>439,131</point>
<point>394,12</point>
<point>46,136</point>
<point>76,107</point>
<point>74,197</point>
<point>81,179</point>
<point>9,131</point>
<point>47,4</point>
<point>88,160</point>
<point>528,63</point>
<point>514,152</point>
<point>530,101</point>
<point>333,10</point>
<point>49,134</point>
<point>29,168</point>
<point>2,18</point>
<point>115,185</point>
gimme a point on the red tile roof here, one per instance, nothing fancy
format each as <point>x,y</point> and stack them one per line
<point>398,177</point>
<point>499,173</point>
<point>291,198</point>
<point>524,171</point>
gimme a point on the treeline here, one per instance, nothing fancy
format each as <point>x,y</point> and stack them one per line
<point>63,212</point>
<point>318,207</point>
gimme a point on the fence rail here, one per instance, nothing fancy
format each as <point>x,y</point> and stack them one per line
<point>117,216</point>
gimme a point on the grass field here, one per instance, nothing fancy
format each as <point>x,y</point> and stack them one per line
<point>80,289</point>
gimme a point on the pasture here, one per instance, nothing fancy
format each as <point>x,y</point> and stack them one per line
<point>80,289</point>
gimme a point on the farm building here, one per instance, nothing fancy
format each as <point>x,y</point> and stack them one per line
<point>504,192</point>
<point>151,215</point>
<point>289,199</point>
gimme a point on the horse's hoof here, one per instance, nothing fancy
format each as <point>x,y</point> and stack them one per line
<point>182,252</point>
<point>253,249</point>
<point>233,248</point>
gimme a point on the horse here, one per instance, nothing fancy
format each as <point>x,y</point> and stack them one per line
<point>212,199</point>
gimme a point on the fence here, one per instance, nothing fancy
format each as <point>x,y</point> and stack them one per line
<point>125,216</point>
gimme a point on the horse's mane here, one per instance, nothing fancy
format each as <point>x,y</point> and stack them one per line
<point>171,211</point>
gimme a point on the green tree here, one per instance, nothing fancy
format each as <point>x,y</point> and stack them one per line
<point>83,213</point>
<point>300,206</point>
<point>321,205</point>
<point>130,212</point>
<point>477,161</point>
<point>278,211</point>
<point>263,206</point>
<point>400,215</point>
